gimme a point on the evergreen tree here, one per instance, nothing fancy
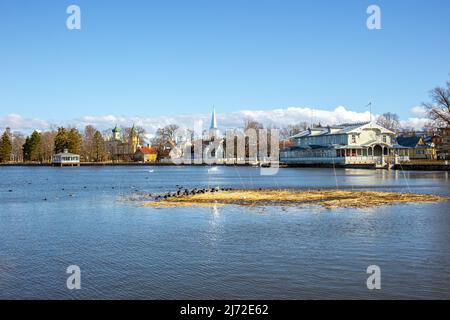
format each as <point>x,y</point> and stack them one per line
<point>61,140</point>
<point>5,148</point>
<point>68,139</point>
<point>26,149</point>
<point>74,139</point>
<point>99,146</point>
<point>31,147</point>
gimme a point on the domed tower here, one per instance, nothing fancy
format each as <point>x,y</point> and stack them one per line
<point>134,138</point>
<point>116,133</point>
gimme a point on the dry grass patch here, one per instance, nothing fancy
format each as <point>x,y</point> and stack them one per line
<point>325,198</point>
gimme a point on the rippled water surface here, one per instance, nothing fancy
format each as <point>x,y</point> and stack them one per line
<point>92,217</point>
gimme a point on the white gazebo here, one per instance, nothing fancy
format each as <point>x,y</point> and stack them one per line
<point>66,159</point>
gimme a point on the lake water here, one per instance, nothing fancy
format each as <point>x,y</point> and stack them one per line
<point>93,218</point>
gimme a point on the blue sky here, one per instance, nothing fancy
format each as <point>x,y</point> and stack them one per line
<point>155,58</point>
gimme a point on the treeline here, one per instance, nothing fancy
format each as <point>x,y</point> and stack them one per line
<point>41,146</point>
<point>91,144</point>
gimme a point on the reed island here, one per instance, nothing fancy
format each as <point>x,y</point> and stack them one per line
<point>328,198</point>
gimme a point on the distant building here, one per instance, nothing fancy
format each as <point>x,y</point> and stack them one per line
<point>418,147</point>
<point>212,144</point>
<point>442,143</point>
<point>122,147</point>
<point>66,159</point>
<point>164,155</point>
<point>356,143</point>
<point>146,154</point>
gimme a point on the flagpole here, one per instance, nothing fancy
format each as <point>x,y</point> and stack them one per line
<point>370,110</point>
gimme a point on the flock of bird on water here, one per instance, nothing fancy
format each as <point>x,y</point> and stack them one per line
<point>181,191</point>
<point>186,192</point>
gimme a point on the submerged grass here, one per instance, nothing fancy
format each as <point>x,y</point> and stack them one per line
<point>272,197</point>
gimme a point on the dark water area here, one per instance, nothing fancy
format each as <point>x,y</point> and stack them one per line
<point>93,217</point>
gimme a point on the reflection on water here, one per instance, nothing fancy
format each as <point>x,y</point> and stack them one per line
<point>92,217</point>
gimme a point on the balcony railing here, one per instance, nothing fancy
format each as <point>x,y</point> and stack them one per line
<point>285,157</point>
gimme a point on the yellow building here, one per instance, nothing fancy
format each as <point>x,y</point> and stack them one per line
<point>134,138</point>
<point>146,154</point>
<point>418,148</point>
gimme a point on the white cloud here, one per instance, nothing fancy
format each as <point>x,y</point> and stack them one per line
<point>418,120</point>
<point>415,123</point>
<point>293,115</point>
<point>18,123</point>
<point>274,117</point>
<point>418,111</point>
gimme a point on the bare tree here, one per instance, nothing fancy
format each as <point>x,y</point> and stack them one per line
<point>389,121</point>
<point>165,137</point>
<point>141,134</point>
<point>46,146</point>
<point>291,130</point>
<point>18,140</point>
<point>87,144</point>
<point>429,129</point>
<point>252,124</point>
<point>407,131</point>
<point>439,108</point>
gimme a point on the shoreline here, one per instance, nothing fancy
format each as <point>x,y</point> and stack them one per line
<point>405,167</point>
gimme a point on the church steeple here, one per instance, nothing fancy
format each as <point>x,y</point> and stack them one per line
<point>213,129</point>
